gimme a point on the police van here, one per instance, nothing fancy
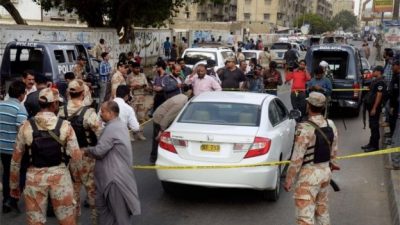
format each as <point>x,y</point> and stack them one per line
<point>345,70</point>
<point>51,59</point>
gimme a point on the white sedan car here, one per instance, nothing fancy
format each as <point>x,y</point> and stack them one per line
<point>228,128</point>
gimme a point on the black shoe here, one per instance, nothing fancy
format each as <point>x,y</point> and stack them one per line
<point>6,209</point>
<point>366,146</point>
<point>86,203</point>
<point>153,159</point>
<point>14,206</point>
<point>370,149</point>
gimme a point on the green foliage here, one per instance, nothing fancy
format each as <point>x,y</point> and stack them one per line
<point>118,13</point>
<point>345,19</point>
<point>317,23</point>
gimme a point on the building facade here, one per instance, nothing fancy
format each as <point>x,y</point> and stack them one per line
<point>323,8</point>
<point>340,5</point>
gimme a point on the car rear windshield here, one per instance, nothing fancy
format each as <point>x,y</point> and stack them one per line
<point>280,46</point>
<point>249,55</point>
<point>193,57</point>
<point>24,58</point>
<point>218,113</point>
<point>338,62</point>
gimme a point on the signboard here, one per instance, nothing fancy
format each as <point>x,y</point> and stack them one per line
<point>391,30</point>
<point>383,6</point>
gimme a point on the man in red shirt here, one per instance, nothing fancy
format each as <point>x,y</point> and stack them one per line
<point>300,76</point>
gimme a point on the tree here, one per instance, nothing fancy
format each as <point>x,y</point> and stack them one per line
<point>317,23</point>
<point>118,13</point>
<point>345,19</point>
<point>13,11</point>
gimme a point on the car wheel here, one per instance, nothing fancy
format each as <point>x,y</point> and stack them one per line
<point>273,195</point>
<point>168,187</point>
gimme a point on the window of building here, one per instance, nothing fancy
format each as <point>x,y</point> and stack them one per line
<point>247,16</point>
<point>247,2</point>
<point>267,2</point>
<point>266,16</point>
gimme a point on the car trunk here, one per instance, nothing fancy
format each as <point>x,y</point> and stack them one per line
<point>222,144</point>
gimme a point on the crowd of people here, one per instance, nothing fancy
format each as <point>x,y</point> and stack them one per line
<point>93,148</point>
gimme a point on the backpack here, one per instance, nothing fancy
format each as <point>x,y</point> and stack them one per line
<point>86,137</point>
<point>46,149</point>
<point>323,143</point>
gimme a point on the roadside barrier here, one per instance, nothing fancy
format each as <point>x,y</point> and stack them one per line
<point>276,163</point>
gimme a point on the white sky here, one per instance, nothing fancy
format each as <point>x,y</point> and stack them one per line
<point>357,4</point>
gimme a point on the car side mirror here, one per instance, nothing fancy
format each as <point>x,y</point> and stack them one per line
<point>295,114</point>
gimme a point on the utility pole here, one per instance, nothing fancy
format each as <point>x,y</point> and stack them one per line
<point>396,9</point>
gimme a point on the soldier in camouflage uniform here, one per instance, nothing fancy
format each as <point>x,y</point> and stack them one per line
<point>91,123</point>
<point>311,189</point>
<point>47,176</point>
<point>118,78</point>
<point>138,83</point>
<point>79,69</point>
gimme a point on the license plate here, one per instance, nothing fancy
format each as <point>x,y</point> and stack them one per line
<point>209,148</point>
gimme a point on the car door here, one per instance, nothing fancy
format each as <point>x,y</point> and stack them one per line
<point>287,127</point>
<point>277,133</point>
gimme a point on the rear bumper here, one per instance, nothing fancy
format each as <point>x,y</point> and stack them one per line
<point>259,178</point>
<point>345,103</point>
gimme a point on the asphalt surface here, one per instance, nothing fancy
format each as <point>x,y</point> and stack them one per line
<point>363,199</point>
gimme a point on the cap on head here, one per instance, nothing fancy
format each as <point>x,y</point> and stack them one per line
<point>76,86</point>
<point>379,68</point>
<point>323,64</point>
<point>316,99</point>
<point>134,64</point>
<point>48,95</point>
<point>230,59</point>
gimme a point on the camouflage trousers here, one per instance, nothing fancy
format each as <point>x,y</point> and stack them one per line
<point>311,203</point>
<point>87,180</point>
<point>138,105</point>
<point>53,183</point>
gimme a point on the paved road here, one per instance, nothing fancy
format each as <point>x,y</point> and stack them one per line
<point>363,199</point>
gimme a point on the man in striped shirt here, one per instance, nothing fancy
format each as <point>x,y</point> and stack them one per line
<point>12,115</point>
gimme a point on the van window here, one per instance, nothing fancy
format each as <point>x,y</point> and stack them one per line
<point>59,54</point>
<point>24,58</point>
<point>338,63</point>
<point>71,56</point>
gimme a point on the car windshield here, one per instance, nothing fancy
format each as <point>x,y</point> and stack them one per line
<point>280,46</point>
<point>249,55</point>
<point>221,113</point>
<point>192,57</point>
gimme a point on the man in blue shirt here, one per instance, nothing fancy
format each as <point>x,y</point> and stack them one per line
<point>321,84</point>
<point>105,75</point>
<point>167,48</point>
<point>12,115</point>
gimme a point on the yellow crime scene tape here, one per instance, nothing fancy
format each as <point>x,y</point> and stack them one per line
<point>274,89</point>
<point>352,156</point>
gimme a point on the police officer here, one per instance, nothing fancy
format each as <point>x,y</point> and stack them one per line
<point>315,148</point>
<point>50,141</point>
<point>373,102</point>
<point>87,127</point>
<point>137,81</point>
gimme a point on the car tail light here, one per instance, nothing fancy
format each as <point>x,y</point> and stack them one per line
<point>260,147</point>
<point>356,87</point>
<point>166,142</point>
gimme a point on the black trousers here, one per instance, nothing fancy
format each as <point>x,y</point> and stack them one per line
<point>299,102</point>
<point>156,130</point>
<point>374,126</point>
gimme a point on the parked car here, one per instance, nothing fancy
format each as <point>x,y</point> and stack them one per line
<point>278,51</point>
<point>262,57</point>
<point>228,128</point>
<point>346,68</point>
<point>194,55</point>
<point>51,59</point>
